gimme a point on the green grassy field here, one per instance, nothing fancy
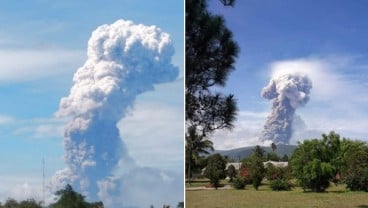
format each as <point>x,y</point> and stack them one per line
<point>335,197</point>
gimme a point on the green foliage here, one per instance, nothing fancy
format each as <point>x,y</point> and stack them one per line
<point>11,203</point>
<point>280,184</point>
<point>284,158</point>
<point>210,57</point>
<point>29,203</point>
<point>272,156</point>
<point>231,172</point>
<point>355,165</point>
<point>239,182</point>
<point>273,146</point>
<point>71,199</point>
<point>215,170</point>
<point>195,146</point>
<point>279,177</point>
<point>272,172</point>
<point>358,180</point>
<point>316,162</point>
<point>256,168</point>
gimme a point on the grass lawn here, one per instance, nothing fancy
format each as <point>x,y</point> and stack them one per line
<point>335,197</point>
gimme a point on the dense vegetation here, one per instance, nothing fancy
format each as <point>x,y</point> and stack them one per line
<point>66,198</point>
<point>314,165</point>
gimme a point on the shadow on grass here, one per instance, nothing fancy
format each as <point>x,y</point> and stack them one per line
<point>323,192</point>
<point>338,192</point>
<point>362,206</point>
<point>197,181</point>
<point>326,192</point>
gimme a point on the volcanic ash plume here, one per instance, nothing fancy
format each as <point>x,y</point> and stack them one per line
<point>286,92</point>
<point>123,60</point>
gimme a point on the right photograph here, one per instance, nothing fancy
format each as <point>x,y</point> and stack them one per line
<point>276,96</point>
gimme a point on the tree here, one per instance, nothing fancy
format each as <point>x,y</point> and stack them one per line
<point>273,146</point>
<point>316,162</point>
<point>196,145</point>
<point>231,172</point>
<point>215,170</point>
<point>29,203</point>
<point>355,165</point>
<point>256,167</point>
<point>210,58</point>
<point>272,156</point>
<point>180,205</point>
<point>285,158</point>
<point>228,2</point>
<point>278,176</point>
<point>72,199</point>
<point>11,203</point>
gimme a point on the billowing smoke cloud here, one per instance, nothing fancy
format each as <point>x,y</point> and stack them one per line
<point>124,60</point>
<point>287,91</point>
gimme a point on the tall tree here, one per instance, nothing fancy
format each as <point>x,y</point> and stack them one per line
<point>196,145</point>
<point>273,146</point>
<point>215,169</point>
<point>231,172</point>
<point>210,58</point>
<point>256,168</point>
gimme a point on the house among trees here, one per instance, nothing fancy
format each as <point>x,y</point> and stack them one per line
<point>276,164</point>
<point>236,165</point>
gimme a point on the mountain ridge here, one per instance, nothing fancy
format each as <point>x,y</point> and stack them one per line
<point>243,152</point>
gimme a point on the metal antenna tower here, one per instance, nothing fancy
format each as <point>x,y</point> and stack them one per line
<point>43,182</point>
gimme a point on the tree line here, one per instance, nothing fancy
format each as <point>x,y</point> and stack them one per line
<point>315,164</point>
<point>67,197</point>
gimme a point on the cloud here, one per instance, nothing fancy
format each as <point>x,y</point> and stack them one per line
<point>247,130</point>
<point>20,65</point>
<point>338,101</point>
<point>152,128</point>
<point>331,75</point>
<point>39,128</point>
<point>4,119</point>
<point>20,187</point>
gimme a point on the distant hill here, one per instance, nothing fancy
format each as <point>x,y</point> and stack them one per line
<point>247,151</point>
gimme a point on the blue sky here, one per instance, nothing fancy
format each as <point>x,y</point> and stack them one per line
<point>42,43</point>
<point>325,39</point>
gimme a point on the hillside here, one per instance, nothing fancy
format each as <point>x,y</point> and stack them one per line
<point>247,151</point>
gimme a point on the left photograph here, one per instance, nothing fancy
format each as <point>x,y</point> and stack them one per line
<point>92,111</point>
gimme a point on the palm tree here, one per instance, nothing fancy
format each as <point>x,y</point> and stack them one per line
<point>196,144</point>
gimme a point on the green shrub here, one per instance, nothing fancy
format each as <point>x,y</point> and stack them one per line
<point>239,183</point>
<point>280,184</point>
<point>215,169</point>
<point>357,180</point>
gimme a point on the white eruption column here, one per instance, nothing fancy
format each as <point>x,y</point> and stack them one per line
<point>123,60</point>
<point>287,92</point>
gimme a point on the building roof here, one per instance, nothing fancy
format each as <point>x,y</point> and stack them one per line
<point>276,164</point>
